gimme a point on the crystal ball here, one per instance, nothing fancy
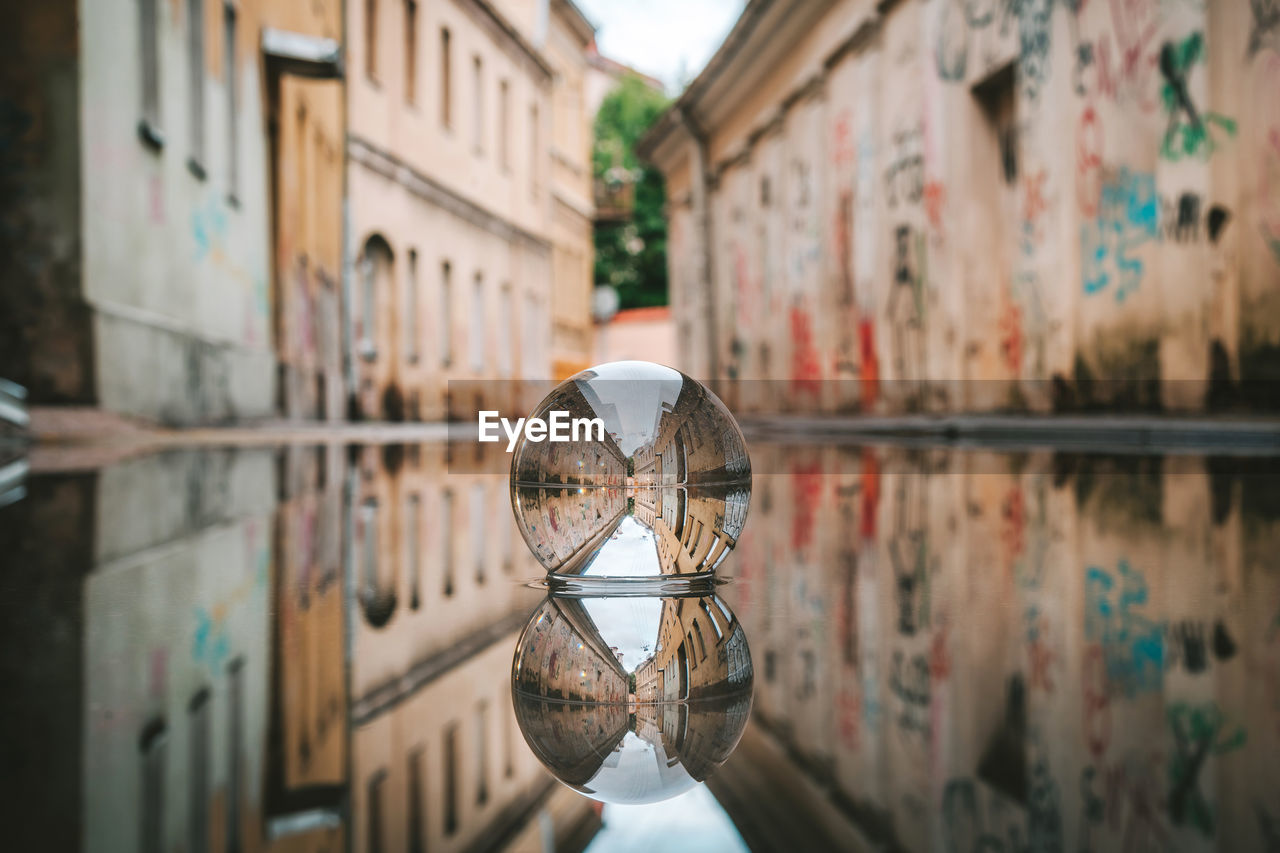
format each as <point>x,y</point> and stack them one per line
<point>654,480</point>
<point>632,699</point>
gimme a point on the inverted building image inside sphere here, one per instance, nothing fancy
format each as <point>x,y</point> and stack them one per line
<point>661,490</point>
<point>632,700</point>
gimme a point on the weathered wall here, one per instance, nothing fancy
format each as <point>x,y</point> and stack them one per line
<point>175,262</point>
<point>1064,205</point>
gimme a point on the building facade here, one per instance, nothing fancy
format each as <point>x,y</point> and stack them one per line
<point>142,182</point>
<point>955,206</point>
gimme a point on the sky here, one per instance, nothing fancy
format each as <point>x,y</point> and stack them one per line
<point>669,39</point>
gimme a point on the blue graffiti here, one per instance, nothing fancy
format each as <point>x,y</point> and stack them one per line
<point>1132,645</point>
<point>1128,216</point>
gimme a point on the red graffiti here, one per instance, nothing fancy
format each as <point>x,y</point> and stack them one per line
<point>1089,162</point>
<point>1033,205</point>
<point>805,365</point>
<point>870,370</point>
<point>939,657</point>
<point>806,488</point>
<point>1010,325</point>
<point>1096,701</point>
<point>935,197</point>
<point>850,714</point>
<point>842,140</point>
<point>870,494</point>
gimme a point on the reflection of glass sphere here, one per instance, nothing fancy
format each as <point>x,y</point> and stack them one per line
<point>615,719</point>
<point>661,490</point>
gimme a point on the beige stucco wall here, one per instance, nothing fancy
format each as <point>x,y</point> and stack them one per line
<point>443,194</point>
<point>1126,245</point>
<point>175,273</point>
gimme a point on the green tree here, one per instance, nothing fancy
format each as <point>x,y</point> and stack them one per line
<point>631,255</point>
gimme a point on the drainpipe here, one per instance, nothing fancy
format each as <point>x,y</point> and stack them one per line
<point>700,193</point>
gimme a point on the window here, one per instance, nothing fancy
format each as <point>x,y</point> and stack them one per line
<point>233,85</point>
<point>371,39</point>
<point>195,85</point>
<point>417,826</point>
<point>149,71</point>
<point>198,772</point>
<point>504,331</point>
<point>446,81</point>
<point>477,323</point>
<point>451,780</point>
<point>410,52</point>
<point>153,746</point>
<point>706,608</point>
<point>504,124</point>
<point>413,543</point>
<point>482,758</point>
<point>375,789</point>
<point>369,547</point>
<point>702,646</point>
<point>412,327</point>
<point>477,126</point>
<point>446,528</point>
<point>446,314</point>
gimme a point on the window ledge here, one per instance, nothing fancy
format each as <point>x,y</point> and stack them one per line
<point>150,135</point>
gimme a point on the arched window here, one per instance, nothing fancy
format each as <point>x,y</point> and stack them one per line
<point>375,276</point>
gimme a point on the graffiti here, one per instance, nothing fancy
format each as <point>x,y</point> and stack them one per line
<point>806,485</point>
<point>806,369</point>
<point>1198,732</point>
<point>1127,217</point>
<point>1129,802</point>
<point>939,657</point>
<point>1040,656</point>
<point>909,683</point>
<point>1189,645</point>
<point>1266,26</point>
<point>959,20</point>
<point>1033,206</point>
<point>1189,134</point>
<point>904,177</point>
<point>1089,162</point>
<point>1044,818</point>
<point>869,363</point>
<point>970,828</point>
<point>1034,34</point>
<point>1121,63</point>
<point>906,300</point>
<point>910,571</point>
<point>935,197</point>
<point>1132,645</point>
<point>1009,326</point>
<point>1096,702</point>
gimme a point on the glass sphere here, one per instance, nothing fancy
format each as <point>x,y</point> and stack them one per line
<point>632,699</point>
<point>655,482</point>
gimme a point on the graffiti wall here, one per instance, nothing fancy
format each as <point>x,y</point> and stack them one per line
<point>1063,204</point>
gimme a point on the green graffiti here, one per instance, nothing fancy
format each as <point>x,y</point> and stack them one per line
<point>1190,133</point>
<point>1198,732</point>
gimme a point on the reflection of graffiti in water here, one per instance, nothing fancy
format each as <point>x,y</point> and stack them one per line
<point>1198,732</point>
<point>1132,645</point>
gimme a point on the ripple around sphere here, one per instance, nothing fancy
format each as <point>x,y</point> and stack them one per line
<point>665,492</point>
<point>632,700</point>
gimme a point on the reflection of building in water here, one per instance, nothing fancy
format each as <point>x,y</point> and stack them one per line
<point>562,656</point>
<point>583,462</point>
<point>695,441</point>
<point>701,652</point>
<point>972,651</point>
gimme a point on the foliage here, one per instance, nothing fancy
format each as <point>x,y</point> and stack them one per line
<point>631,256</point>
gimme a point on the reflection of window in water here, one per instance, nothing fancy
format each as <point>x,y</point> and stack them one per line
<point>417,828</point>
<point>446,536</point>
<point>376,784</point>
<point>412,518</point>
<point>154,746</point>
<point>451,779</point>
<point>702,646</point>
<point>706,608</point>
<point>198,771</point>
<point>482,763</point>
